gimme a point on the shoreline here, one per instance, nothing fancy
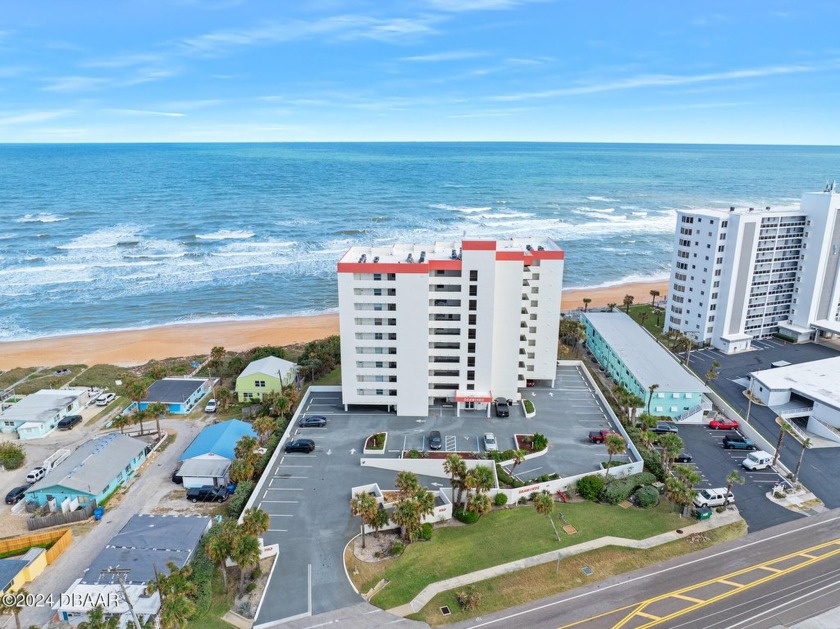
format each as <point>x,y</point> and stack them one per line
<point>128,348</point>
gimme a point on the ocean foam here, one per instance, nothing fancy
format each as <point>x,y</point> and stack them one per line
<point>43,217</point>
<point>104,238</point>
<point>602,199</point>
<point>464,209</point>
<point>226,234</point>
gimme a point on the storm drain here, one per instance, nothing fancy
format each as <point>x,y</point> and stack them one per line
<point>445,610</point>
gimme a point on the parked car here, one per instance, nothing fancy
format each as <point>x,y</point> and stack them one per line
<point>490,442</point>
<point>210,407</point>
<point>502,407</point>
<point>713,497</point>
<point>35,475</point>
<point>599,436</point>
<point>16,495</point>
<point>435,441</point>
<point>68,421</point>
<point>757,460</point>
<point>105,399</point>
<point>529,383</point>
<point>722,423</point>
<point>207,493</point>
<point>664,428</point>
<point>313,421</point>
<point>738,442</point>
<point>683,457</point>
<point>300,445</point>
<point>176,474</point>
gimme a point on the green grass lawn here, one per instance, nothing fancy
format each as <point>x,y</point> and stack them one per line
<point>534,583</point>
<point>636,312</point>
<point>211,617</point>
<point>101,376</point>
<point>8,378</point>
<point>333,378</point>
<point>119,401</point>
<point>47,379</point>
<point>507,535</point>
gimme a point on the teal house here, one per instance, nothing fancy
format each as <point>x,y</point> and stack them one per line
<point>264,376</point>
<point>634,359</point>
<point>92,471</point>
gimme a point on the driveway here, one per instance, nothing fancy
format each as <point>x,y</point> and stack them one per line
<point>820,465</point>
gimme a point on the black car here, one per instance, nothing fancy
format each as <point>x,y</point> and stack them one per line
<point>502,407</point>
<point>314,421</point>
<point>435,441</point>
<point>67,422</point>
<point>683,457</point>
<point>207,493</point>
<point>176,475</point>
<point>664,428</point>
<point>16,495</point>
<point>300,445</point>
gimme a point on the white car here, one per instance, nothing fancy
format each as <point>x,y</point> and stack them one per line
<point>35,475</point>
<point>210,407</point>
<point>105,399</point>
<point>490,442</point>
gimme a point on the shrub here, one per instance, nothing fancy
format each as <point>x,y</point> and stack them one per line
<point>646,496</point>
<point>413,454</point>
<point>500,500</point>
<point>507,479</point>
<point>256,573</point>
<point>612,464</point>
<point>620,489</point>
<point>468,599</point>
<point>202,573</point>
<point>529,406</point>
<point>720,509</point>
<point>590,487</point>
<point>240,498</point>
<point>467,517</point>
<point>540,442</point>
<point>397,548</point>
<point>653,463</point>
<point>12,455</point>
<point>426,532</point>
<point>250,587</point>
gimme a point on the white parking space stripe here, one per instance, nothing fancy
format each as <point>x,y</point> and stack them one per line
<point>278,530</point>
<point>285,466</point>
<point>287,502</point>
<point>284,488</point>
<point>281,515</point>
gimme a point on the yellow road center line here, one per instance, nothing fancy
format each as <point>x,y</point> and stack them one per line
<point>688,598</point>
<point>732,583</point>
<point>770,569</point>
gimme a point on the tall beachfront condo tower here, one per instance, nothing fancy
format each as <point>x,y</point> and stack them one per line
<point>741,274</point>
<point>458,323</point>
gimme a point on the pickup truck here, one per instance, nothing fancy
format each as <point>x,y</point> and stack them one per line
<point>599,436</point>
<point>738,442</point>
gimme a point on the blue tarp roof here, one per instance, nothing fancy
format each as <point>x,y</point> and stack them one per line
<point>219,439</point>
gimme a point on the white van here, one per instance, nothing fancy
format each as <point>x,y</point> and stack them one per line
<point>757,460</point>
<point>713,497</point>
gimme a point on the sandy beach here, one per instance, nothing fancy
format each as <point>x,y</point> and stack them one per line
<point>136,347</point>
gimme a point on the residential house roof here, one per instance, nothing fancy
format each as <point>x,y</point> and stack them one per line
<point>173,390</point>
<point>204,468</point>
<point>270,366</point>
<point>9,569</point>
<point>41,406</point>
<point>93,465</point>
<point>219,439</point>
<point>818,380</point>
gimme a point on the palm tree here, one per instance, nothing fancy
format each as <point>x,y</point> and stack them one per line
<point>175,590</point>
<point>672,445</point>
<point>240,471</point>
<point>628,301</point>
<point>456,469</point>
<point>805,446</point>
<point>255,521</point>
<point>137,417</point>
<point>245,449</point>
<point>784,428</point>
<point>410,510</point>
<point>291,393</point>
<point>12,609</point>
<point>96,620</point>
<point>479,504</point>
<point>653,295</point>
<point>571,332</point>
<point>407,484</point>
<point>518,459</point>
<point>544,505</point>
<point>264,427</point>
<point>223,397</point>
<point>136,389</point>
<point>635,403</point>
<point>733,478</point>
<point>157,410</point>
<point>219,545</point>
<point>712,374</point>
<point>643,315</point>
<point>121,421</point>
<point>611,306</point>
<point>651,390</point>
<point>615,445</point>
<point>480,479</point>
<point>366,507</point>
<point>245,551</point>
<point>586,302</point>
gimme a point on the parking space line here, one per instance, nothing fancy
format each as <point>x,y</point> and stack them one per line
<point>278,530</point>
<point>281,515</point>
<point>284,488</point>
<point>287,502</point>
<point>297,466</point>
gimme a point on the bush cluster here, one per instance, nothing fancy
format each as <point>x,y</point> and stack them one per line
<point>507,479</point>
<point>529,406</point>
<point>240,498</point>
<point>653,463</point>
<point>646,496</point>
<point>426,531</point>
<point>500,499</point>
<point>467,517</point>
<point>468,599</point>
<point>397,548</point>
<point>12,455</point>
<point>505,455</point>
<point>620,489</point>
<point>590,487</point>
<point>202,574</point>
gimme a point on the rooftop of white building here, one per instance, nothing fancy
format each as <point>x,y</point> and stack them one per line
<point>818,380</point>
<point>440,250</point>
<point>722,213</point>
<point>41,406</point>
<point>647,360</point>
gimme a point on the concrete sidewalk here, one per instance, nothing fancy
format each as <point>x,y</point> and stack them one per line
<point>729,516</point>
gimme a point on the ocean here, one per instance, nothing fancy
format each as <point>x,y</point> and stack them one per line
<point>103,237</point>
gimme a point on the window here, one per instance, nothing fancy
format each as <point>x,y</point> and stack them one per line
<point>247,396</point>
<point>259,383</point>
<point>473,291</point>
<point>473,276</point>
<point>471,348</point>
<point>473,304</point>
<point>377,277</point>
<point>472,319</point>
<point>471,361</point>
<point>392,277</point>
<point>470,375</point>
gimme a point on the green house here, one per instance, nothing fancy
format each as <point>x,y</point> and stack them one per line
<point>264,376</point>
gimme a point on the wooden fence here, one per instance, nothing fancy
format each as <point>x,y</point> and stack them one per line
<point>56,519</point>
<point>60,539</point>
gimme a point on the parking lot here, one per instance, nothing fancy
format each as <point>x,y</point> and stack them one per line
<point>820,465</point>
<point>307,496</point>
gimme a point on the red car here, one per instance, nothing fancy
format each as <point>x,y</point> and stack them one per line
<point>721,423</point>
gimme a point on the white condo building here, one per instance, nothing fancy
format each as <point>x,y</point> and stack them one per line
<point>740,274</point>
<point>458,322</point>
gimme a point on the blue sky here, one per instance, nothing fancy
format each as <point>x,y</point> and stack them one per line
<point>427,70</point>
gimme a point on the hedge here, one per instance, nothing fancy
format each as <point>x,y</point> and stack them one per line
<point>240,498</point>
<point>507,479</point>
<point>646,496</point>
<point>467,517</point>
<point>620,489</point>
<point>590,487</point>
<point>12,455</point>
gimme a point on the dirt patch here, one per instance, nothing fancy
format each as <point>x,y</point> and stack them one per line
<point>442,455</point>
<point>245,604</point>
<point>377,546</point>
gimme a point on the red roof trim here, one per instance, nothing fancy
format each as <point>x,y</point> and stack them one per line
<point>548,255</point>
<point>516,256</point>
<point>390,267</point>
<point>478,245</point>
<point>444,265</point>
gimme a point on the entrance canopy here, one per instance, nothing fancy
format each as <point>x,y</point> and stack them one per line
<point>473,396</point>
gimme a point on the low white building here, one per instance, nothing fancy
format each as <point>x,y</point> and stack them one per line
<point>807,390</point>
<point>38,414</point>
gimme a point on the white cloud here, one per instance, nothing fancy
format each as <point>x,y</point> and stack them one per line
<point>74,83</point>
<point>10,119</point>
<point>459,6</point>
<point>452,55</point>
<point>144,112</point>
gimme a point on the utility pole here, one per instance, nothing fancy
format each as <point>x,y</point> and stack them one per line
<point>120,573</point>
<point>749,399</point>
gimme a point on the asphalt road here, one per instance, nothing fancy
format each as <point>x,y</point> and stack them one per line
<point>772,578</point>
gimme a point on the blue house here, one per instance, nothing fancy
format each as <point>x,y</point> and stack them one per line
<point>180,395</point>
<point>92,471</point>
<point>634,359</point>
<point>207,459</point>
